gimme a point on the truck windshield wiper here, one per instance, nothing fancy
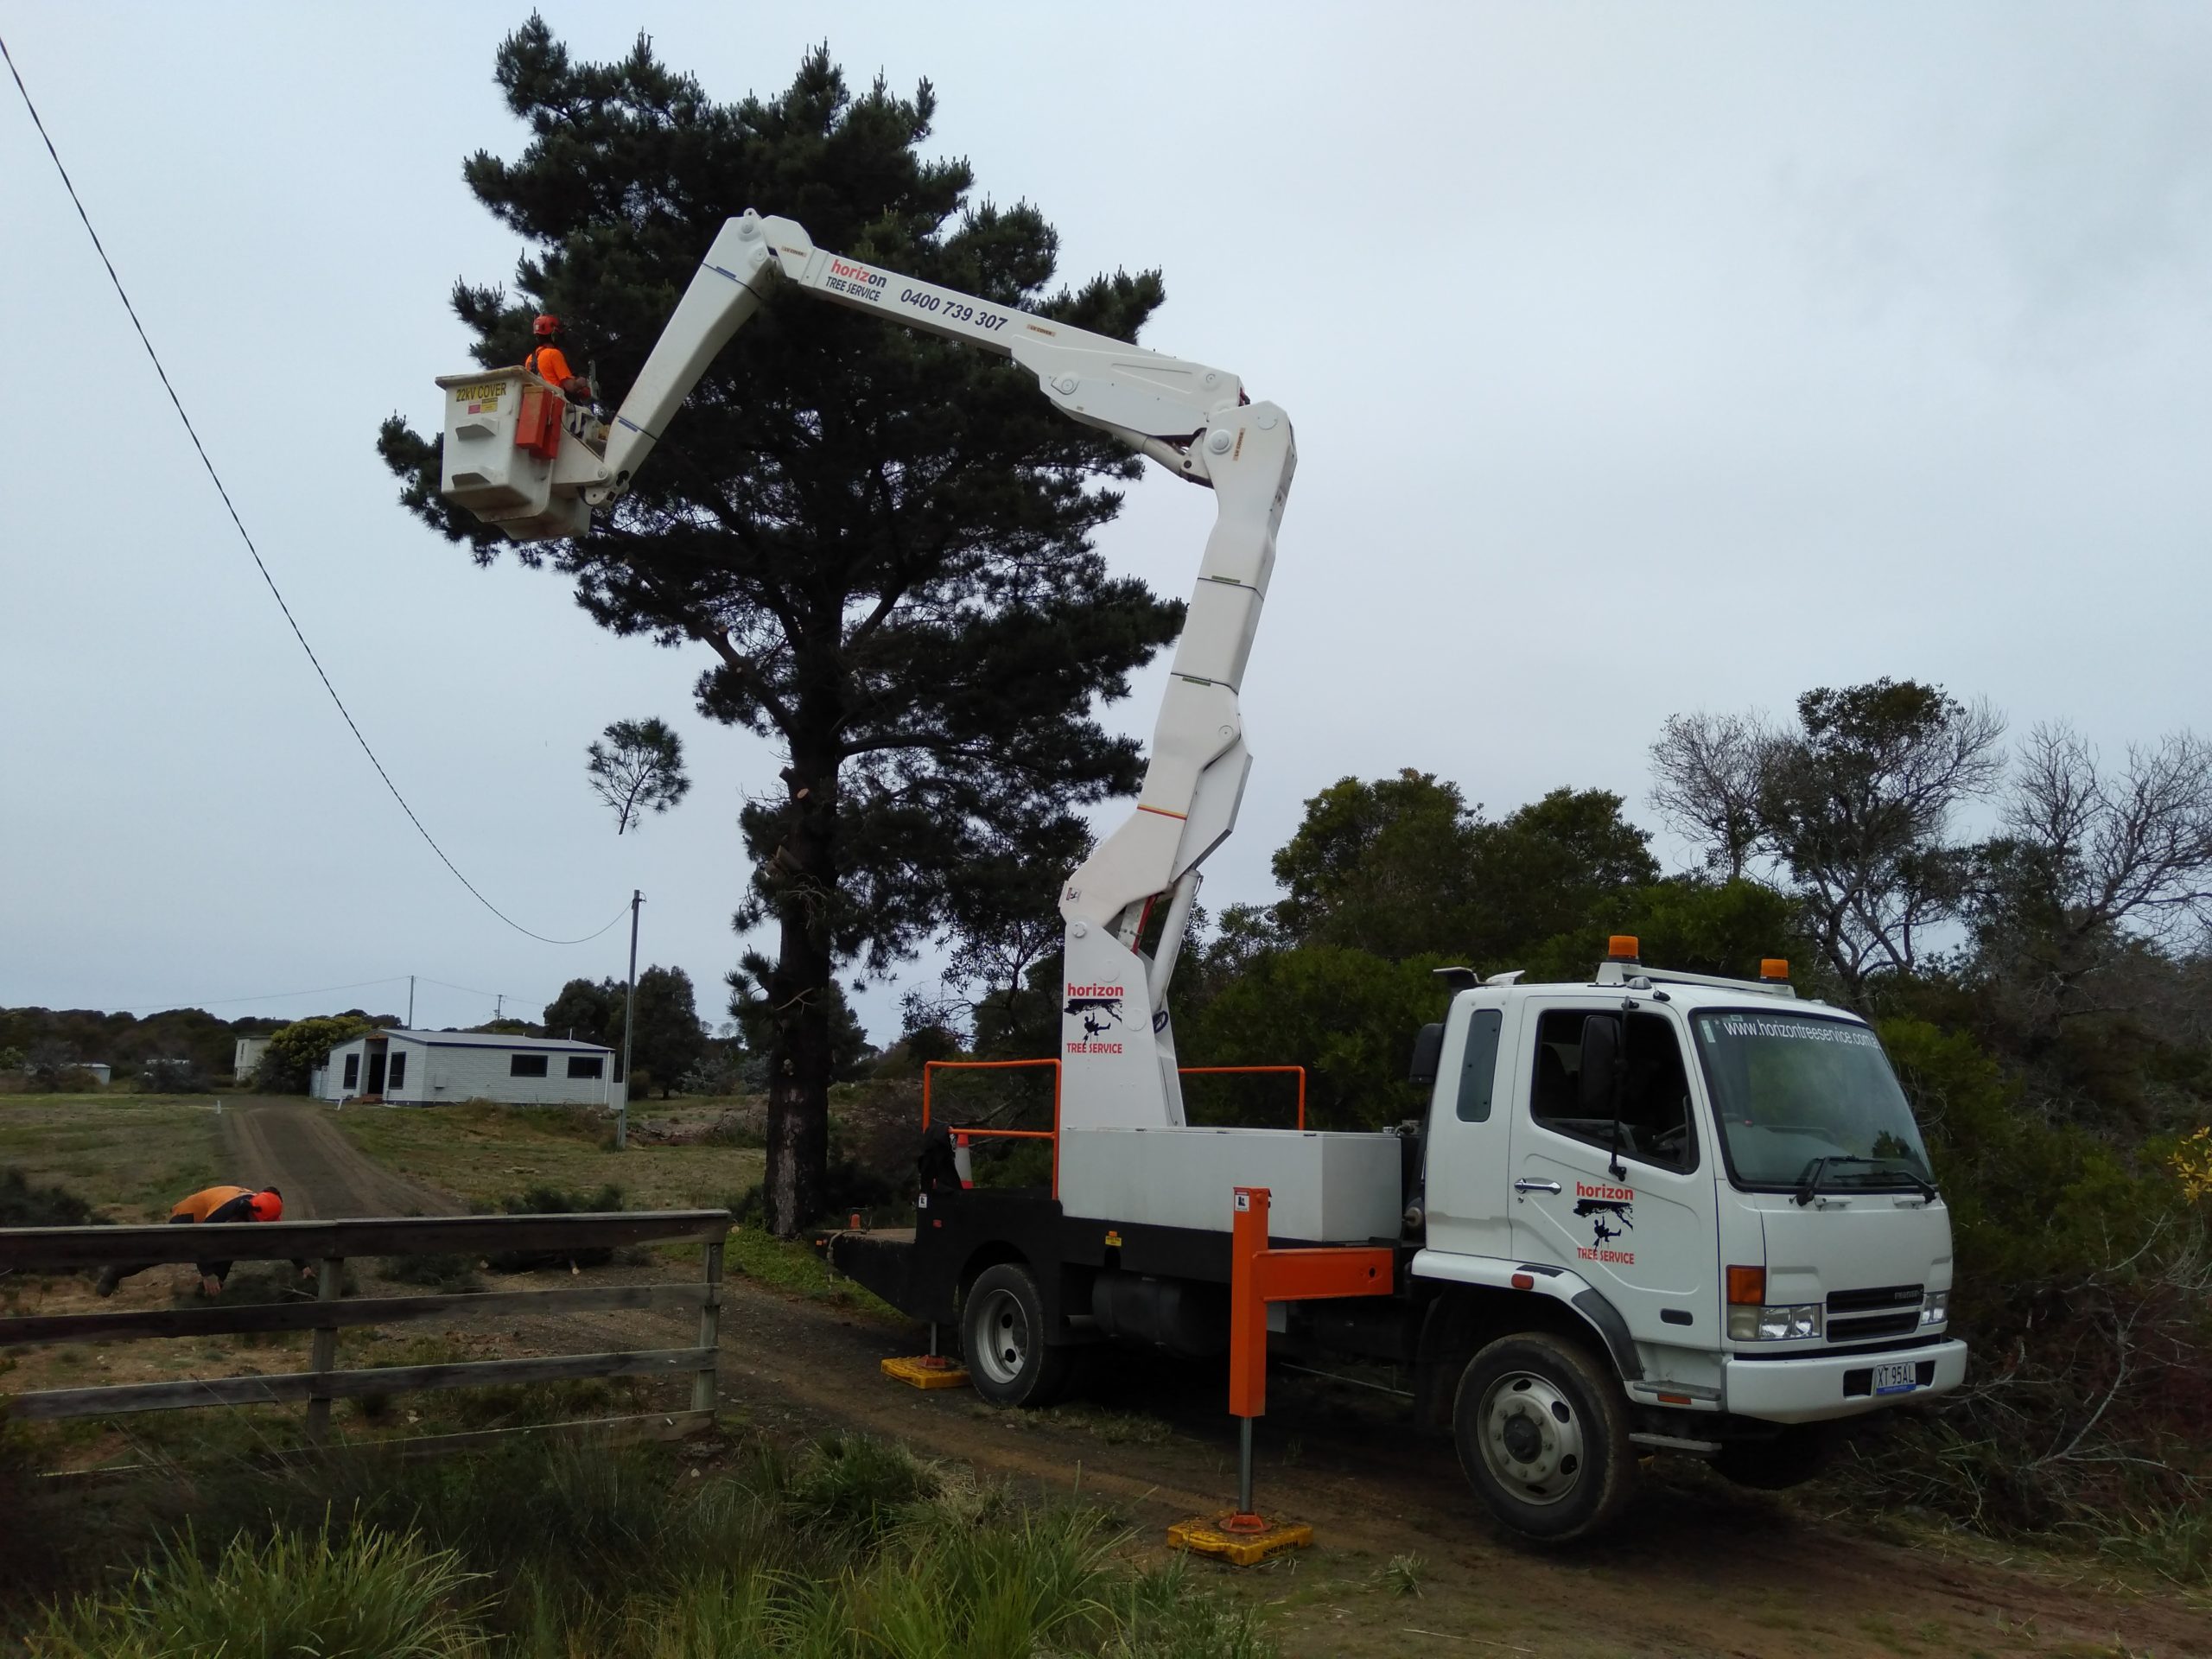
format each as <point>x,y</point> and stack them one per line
<point>1809,1181</point>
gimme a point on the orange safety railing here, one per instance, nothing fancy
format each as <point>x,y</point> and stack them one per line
<point>1222,1070</point>
<point>1052,1135</point>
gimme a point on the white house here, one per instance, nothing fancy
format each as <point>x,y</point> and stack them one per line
<point>425,1068</point>
<point>246,1056</point>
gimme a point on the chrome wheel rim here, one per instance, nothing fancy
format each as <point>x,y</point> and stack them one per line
<point>999,1333</point>
<point>1531,1438</point>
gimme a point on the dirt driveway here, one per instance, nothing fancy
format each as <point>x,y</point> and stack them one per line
<point>293,1146</point>
<point>1700,1568</point>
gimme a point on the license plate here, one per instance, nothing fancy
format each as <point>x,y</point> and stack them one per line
<point>1895,1379</point>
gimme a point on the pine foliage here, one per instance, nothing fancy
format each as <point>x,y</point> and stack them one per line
<point>882,541</point>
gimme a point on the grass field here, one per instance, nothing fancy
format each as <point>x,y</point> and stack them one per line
<point>127,1155</point>
<point>483,1154</point>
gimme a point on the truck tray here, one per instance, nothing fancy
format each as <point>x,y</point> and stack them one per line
<point>1326,1187</point>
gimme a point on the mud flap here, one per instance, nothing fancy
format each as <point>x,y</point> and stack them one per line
<point>883,1264</point>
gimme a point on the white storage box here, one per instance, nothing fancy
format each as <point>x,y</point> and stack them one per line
<point>1323,1188</point>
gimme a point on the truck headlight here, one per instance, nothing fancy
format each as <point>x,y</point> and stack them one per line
<point>1936,1307</point>
<point>1795,1323</point>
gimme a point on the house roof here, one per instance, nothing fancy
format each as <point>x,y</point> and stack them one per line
<point>491,1040</point>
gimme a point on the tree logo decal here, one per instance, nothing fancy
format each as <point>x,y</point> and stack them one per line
<point>1099,1005</point>
<point>1603,1205</point>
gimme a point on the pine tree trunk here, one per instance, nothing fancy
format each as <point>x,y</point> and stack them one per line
<point>799,1108</point>
<point>799,1089</point>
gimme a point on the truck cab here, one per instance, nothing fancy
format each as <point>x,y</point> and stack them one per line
<point>1719,1187</point>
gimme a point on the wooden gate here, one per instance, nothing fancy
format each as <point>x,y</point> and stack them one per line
<point>329,1244</point>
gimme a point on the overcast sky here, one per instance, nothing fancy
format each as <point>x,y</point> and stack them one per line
<point>1643,359</point>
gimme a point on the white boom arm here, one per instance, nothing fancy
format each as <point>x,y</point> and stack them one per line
<point>1118,1054</point>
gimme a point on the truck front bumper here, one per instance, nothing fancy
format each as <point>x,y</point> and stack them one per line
<point>1821,1386</point>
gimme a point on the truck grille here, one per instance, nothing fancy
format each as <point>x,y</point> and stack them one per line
<point>1860,1315</point>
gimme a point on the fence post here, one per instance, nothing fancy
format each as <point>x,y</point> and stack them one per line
<point>710,1308</point>
<point>322,1357</point>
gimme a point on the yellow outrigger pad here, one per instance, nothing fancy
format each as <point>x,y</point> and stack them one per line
<point>919,1373</point>
<point>1209,1535</point>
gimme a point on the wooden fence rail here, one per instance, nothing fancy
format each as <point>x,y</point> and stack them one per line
<point>329,1244</point>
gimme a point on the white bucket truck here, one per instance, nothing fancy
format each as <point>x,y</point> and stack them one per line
<point>1650,1210</point>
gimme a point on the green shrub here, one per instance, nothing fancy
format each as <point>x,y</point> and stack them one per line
<point>730,1130</point>
<point>450,1272</point>
<point>555,1201</point>
<point>364,1594</point>
<point>23,1204</point>
<point>849,1486</point>
<point>1162,1615</point>
<point>43,1535</point>
<point>2174,1541</point>
<point>2079,1287</point>
<point>547,1550</point>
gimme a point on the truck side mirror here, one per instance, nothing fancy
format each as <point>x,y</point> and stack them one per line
<point>1428,1054</point>
<point>1601,1050</point>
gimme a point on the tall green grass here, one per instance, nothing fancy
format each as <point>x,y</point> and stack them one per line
<point>844,1547</point>
<point>361,1594</point>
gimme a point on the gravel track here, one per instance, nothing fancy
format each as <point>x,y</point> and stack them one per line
<point>293,1146</point>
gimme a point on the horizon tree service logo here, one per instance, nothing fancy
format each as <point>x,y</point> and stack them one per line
<point>1602,1204</point>
<point>1100,1008</point>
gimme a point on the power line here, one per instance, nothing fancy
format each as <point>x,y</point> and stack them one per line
<point>266,996</point>
<point>318,990</point>
<point>447,984</point>
<point>193,433</point>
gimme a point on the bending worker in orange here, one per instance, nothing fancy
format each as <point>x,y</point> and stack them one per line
<point>214,1207</point>
<point>551,364</point>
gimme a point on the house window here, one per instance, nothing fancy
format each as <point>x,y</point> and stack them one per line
<point>581,1066</point>
<point>525,1065</point>
<point>352,1070</point>
<point>396,1078</point>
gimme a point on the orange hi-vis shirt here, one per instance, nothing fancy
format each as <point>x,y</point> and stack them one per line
<point>204,1203</point>
<point>549,364</point>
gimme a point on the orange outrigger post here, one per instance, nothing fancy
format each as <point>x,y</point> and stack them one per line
<point>1258,1275</point>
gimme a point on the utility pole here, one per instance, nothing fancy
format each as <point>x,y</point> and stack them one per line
<point>629,1022</point>
<point>410,1002</point>
<point>499,1006</point>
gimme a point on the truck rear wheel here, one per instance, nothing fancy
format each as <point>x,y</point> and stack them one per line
<point>1002,1334</point>
<point>1543,1436</point>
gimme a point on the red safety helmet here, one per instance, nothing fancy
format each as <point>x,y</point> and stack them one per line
<point>544,327</point>
<point>267,1206</point>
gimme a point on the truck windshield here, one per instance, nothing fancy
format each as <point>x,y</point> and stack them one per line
<point>1794,1090</point>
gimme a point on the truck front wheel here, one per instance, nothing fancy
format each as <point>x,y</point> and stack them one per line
<point>1002,1334</point>
<point>1543,1436</point>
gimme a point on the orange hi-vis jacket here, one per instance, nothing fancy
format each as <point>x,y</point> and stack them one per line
<point>204,1203</point>
<point>549,364</point>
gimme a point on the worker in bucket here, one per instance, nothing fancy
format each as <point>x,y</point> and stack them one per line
<point>551,364</point>
<point>214,1207</point>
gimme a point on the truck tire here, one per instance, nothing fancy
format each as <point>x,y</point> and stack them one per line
<point>1003,1336</point>
<point>1542,1432</point>
<point>1790,1458</point>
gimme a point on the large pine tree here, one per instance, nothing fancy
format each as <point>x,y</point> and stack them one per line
<point>882,540</point>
